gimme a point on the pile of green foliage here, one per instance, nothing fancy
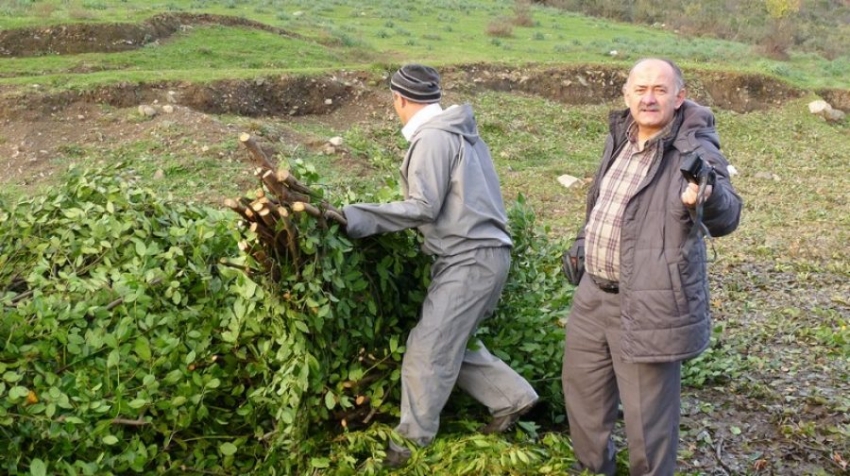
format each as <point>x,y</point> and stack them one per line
<point>128,345</point>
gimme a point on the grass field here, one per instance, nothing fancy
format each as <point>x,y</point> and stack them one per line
<point>444,32</point>
<point>769,397</point>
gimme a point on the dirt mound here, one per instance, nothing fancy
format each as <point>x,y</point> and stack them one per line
<point>80,38</point>
<point>597,84</point>
<point>36,126</point>
<point>321,95</point>
<point>300,95</point>
<point>837,98</point>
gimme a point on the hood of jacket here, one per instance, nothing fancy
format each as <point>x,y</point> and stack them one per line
<point>693,127</point>
<point>455,119</point>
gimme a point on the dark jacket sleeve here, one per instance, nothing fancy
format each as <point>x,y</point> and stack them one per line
<point>722,210</point>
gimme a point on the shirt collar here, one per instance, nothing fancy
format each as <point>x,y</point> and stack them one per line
<point>632,134</point>
<point>421,117</point>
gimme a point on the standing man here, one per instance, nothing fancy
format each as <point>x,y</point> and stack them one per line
<point>642,305</point>
<point>452,195</point>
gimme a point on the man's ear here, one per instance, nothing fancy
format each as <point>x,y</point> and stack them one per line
<point>680,97</point>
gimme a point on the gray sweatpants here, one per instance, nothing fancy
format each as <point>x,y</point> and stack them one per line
<point>464,291</point>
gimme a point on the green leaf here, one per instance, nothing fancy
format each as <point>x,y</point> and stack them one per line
<point>38,468</point>
<point>320,463</point>
<point>141,249</point>
<point>228,336</point>
<point>523,457</point>
<point>113,359</point>
<point>142,348</point>
<point>12,377</point>
<point>138,403</point>
<point>481,443</point>
<point>110,440</point>
<point>18,392</point>
<point>227,449</point>
<point>330,400</point>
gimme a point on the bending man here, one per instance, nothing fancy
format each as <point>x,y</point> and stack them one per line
<point>452,195</point>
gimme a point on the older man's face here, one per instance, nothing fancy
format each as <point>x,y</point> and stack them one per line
<point>652,95</point>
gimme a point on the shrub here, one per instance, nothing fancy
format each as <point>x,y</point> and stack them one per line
<point>522,14</point>
<point>777,40</point>
<point>500,28</point>
<point>133,340</point>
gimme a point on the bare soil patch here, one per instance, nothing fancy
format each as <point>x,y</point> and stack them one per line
<point>71,39</point>
<point>37,126</point>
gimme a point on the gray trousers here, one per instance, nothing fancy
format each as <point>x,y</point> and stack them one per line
<point>594,376</point>
<point>464,291</point>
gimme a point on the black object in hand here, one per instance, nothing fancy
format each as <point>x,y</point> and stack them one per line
<point>694,168</point>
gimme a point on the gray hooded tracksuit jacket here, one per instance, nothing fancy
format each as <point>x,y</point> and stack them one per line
<point>451,191</point>
<point>452,195</point>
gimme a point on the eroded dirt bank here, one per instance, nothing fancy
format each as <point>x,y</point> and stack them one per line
<point>70,39</point>
<point>322,94</point>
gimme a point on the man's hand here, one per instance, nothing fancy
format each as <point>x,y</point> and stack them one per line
<point>337,216</point>
<point>689,196</point>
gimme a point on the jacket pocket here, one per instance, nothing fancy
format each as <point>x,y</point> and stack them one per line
<point>679,297</point>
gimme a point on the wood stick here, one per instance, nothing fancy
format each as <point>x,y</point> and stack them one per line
<point>257,205</point>
<point>285,176</point>
<point>309,208</point>
<point>128,422</point>
<point>257,153</point>
<point>314,211</point>
<point>22,296</point>
<point>281,190</point>
<point>241,267</point>
<point>292,242</point>
<point>266,215</point>
<point>263,233</point>
<point>237,207</point>
<point>281,235</point>
<point>268,264</point>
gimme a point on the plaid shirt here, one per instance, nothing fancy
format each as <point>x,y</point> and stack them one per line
<point>618,186</point>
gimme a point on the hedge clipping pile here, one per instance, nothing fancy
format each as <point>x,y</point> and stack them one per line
<point>141,335</point>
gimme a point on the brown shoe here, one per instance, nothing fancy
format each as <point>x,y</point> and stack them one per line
<point>397,456</point>
<point>504,422</point>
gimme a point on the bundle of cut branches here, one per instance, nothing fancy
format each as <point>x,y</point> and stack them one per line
<point>268,215</point>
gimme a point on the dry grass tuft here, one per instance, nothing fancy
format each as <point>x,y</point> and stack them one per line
<point>501,28</point>
<point>522,14</point>
<point>43,10</point>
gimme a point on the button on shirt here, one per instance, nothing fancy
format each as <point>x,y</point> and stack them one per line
<point>618,186</point>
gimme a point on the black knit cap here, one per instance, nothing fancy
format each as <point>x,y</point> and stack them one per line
<point>417,83</point>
